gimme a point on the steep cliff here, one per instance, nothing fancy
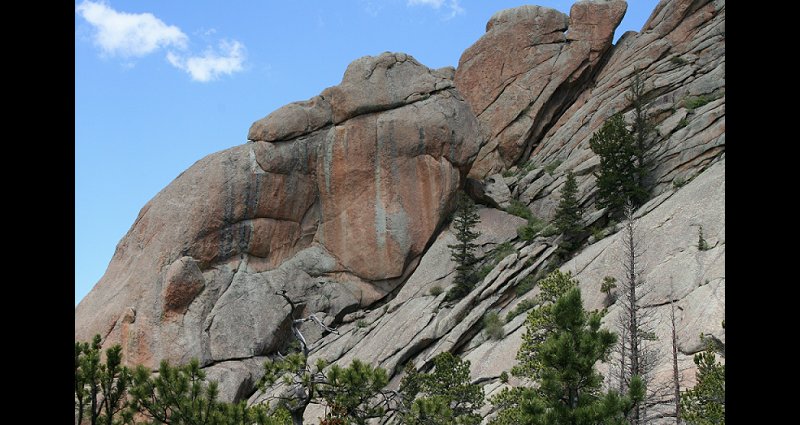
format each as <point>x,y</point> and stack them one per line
<point>342,200</point>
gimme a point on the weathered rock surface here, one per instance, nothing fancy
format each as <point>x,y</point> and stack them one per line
<point>342,191</point>
<point>338,200</point>
<point>416,326</point>
<point>680,54</point>
<point>531,64</point>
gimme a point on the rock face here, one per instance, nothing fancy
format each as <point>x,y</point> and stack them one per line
<point>530,65</point>
<point>340,200</point>
<point>343,190</point>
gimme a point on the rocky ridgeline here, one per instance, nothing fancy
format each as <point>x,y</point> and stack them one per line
<point>341,199</point>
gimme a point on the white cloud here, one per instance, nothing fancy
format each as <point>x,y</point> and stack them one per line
<point>455,8</point>
<point>129,34</point>
<point>211,65</point>
<point>433,3</point>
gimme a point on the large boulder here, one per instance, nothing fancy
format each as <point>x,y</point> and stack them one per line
<point>680,58</point>
<point>333,199</point>
<point>530,65</point>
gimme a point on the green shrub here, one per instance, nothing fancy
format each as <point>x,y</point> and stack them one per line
<point>493,325</point>
<point>682,123</point>
<point>508,173</point>
<point>677,60</point>
<point>504,377</point>
<point>532,229</point>
<point>520,308</point>
<point>527,168</point>
<point>702,244</point>
<point>608,284</point>
<point>501,251</point>
<point>519,209</point>
<point>484,271</point>
<point>436,290</point>
<point>550,230</point>
<point>678,182</point>
<point>524,285</point>
<point>551,167</point>
<point>361,323</point>
<point>692,103</point>
<point>597,232</point>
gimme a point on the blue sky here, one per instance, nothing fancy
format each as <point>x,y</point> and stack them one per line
<point>161,84</point>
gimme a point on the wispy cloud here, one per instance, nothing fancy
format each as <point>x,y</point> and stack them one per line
<point>433,3</point>
<point>129,34</point>
<point>211,64</point>
<point>132,35</point>
<point>453,5</point>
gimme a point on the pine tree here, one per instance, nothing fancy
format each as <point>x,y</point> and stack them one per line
<point>114,382</point>
<point>108,393</point>
<point>569,387</point>
<point>705,403</point>
<point>348,392</point>
<point>100,388</point>
<point>179,395</point>
<point>442,397</point>
<point>352,395</point>
<point>624,162</point>
<point>463,252</point>
<point>540,322</point>
<point>81,379</point>
<point>569,214</point>
<point>617,179</point>
<point>642,129</point>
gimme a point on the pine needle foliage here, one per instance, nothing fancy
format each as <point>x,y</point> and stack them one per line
<point>463,252</point>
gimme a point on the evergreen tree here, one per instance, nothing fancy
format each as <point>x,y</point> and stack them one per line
<point>624,162</point>
<point>100,388</point>
<point>348,392</point>
<point>540,322</point>
<point>443,397</point>
<point>642,128</point>
<point>177,396</point>
<point>617,175</point>
<point>569,214</point>
<point>240,414</point>
<point>705,403</point>
<point>352,395</point>
<point>114,382</point>
<point>569,387</point>
<point>463,252</point>
<point>108,393</point>
<point>81,379</point>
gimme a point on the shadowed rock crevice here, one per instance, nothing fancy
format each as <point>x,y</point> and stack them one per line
<point>530,65</point>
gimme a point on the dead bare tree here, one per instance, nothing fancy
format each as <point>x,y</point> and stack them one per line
<point>636,352</point>
<point>354,392</point>
<point>676,379</point>
<point>300,379</point>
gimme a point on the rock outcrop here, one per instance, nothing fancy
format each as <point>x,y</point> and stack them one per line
<point>341,201</point>
<point>334,198</point>
<point>529,66</point>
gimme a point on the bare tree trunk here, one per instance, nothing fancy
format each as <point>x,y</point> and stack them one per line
<point>631,277</point>
<point>297,416</point>
<point>675,372</point>
<point>303,401</point>
<point>622,361</point>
